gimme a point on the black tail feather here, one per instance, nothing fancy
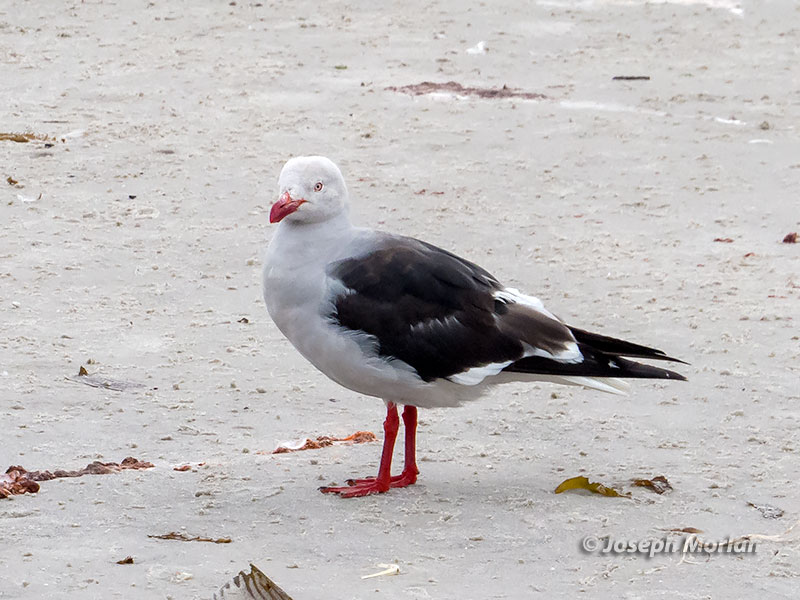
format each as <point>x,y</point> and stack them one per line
<point>614,346</point>
<point>594,364</point>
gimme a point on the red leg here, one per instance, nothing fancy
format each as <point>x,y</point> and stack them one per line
<point>410,470</point>
<point>384,480</point>
<point>381,483</point>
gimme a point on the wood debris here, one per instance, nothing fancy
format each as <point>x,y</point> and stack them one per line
<point>182,537</point>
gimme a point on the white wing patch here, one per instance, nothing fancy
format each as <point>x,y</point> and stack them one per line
<point>570,354</point>
<point>475,375</point>
<point>516,297</point>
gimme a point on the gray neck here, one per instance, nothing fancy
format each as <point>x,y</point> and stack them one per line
<point>330,227</point>
<point>303,243</point>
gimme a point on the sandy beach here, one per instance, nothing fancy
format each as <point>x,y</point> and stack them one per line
<point>133,221</point>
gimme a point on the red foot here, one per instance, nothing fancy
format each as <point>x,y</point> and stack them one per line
<point>355,491</point>
<point>370,485</point>
<point>401,480</point>
<point>383,482</point>
<point>364,487</point>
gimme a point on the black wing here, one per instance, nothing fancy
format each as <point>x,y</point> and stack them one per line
<point>443,315</point>
<point>437,312</point>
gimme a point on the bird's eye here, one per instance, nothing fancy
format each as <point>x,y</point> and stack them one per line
<point>318,186</point>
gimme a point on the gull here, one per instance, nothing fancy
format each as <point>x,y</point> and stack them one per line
<point>402,320</point>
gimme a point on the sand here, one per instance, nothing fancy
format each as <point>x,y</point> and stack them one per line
<point>134,248</point>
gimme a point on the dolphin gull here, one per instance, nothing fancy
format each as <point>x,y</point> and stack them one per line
<point>402,320</point>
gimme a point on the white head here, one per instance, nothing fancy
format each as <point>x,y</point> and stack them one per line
<point>311,189</point>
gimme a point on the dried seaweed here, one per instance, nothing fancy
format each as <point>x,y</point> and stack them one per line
<point>20,138</point>
<point>724,240</point>
<point>791,238</point>
<point>94,468</point>
<point>24,137</point>
<point>128,560</point>
<point>188,467</point>
<point>14,482</point>
<point>683,530</point>
<point>582,483</point>
<point>174,535</point>
<point>452,87</point>
<point>359,437</point>
<point>18,480</point>
<point>251,586</point>
<point>658,484</point>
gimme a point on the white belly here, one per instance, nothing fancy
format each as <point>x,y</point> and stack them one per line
<point>300,307</point>
<point>351,360</point>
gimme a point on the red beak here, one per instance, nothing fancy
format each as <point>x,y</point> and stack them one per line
<point>285,206</point>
